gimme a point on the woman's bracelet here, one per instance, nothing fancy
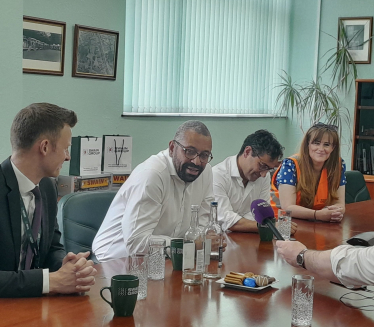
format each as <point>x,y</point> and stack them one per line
<point>315,218</point>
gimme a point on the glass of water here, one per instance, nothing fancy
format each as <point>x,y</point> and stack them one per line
<point>156,269</point>
<point>138,266</point>
<point>284,223</point>
<point>302,300</point>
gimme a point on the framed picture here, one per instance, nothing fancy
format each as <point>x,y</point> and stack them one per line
<point>43,46</point>
<point>95,52</point>
<point>359,34</point>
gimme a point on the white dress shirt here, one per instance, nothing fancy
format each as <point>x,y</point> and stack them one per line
<point>152,201</point>
<point>354,266</point>
<point>234,200</point>
<point>25,187</point>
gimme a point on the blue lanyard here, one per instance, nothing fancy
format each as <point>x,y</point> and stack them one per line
<point>34,244</point>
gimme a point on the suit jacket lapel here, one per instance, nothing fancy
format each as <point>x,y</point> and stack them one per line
<point>14,205</point>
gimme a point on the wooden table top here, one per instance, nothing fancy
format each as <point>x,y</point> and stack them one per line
<point>171,303</point>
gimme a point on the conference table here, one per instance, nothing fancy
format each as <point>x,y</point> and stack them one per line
<point>171,303</point>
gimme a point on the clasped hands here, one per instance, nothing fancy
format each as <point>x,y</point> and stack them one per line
<point>332,214</point>
<point>76,274</point>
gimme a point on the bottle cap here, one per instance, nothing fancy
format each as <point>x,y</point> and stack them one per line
<point>194,207</point>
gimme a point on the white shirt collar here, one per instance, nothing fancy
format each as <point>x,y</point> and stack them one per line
<point>24,184</point>
<point>234,172</point>
<point>234,169</point>
<point>169,162</point>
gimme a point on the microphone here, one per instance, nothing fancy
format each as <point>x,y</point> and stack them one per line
<point>263,213</point>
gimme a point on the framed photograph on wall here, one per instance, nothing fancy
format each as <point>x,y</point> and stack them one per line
<point>359,34</point>
<point>95,52</point>
<point>43,46</point>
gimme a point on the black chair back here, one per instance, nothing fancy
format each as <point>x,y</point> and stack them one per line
<point>355,189</point>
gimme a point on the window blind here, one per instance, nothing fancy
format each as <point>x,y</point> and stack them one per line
<point>204,56</point>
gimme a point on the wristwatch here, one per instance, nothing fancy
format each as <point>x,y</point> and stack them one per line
<point>300,258</point>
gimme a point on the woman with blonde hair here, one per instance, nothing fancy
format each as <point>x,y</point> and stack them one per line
<point>312,183</point>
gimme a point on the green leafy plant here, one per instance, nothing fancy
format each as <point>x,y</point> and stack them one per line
<point>344,70</point>
<point>316,100</point>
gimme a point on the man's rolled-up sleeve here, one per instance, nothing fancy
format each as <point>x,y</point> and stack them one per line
<point>143,211</point>
<point>353,266</point>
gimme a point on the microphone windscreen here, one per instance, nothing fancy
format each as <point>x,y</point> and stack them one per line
<point>261,210</point>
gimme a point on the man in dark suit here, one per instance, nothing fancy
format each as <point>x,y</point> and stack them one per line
<point>32,261</point>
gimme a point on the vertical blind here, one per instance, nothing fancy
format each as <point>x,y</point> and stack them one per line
<point>204,56</point>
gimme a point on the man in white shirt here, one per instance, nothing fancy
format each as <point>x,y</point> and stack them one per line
<point>240,179</point>
<point>155,201</point>
<point>33,261</point>
<point>347,264</point>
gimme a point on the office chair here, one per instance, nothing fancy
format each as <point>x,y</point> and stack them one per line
<point>80,216</point>
<point>355,189</point>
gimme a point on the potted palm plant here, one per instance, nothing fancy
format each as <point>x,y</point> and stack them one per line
<point>315,99</point>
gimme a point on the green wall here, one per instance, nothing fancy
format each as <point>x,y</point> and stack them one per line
<point>99,102</point>
<point>10,68</point>
<point>304,22</point>
<point>306,29</point>
<point>331,10</point>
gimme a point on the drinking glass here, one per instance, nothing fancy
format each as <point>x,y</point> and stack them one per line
<point>302,300</point>
<point>284,223</point>
<point>138,266</point>
<point>156,269</point>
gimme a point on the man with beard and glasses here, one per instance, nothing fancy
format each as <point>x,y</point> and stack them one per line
<point>155,201</point>
<point>240,179</point>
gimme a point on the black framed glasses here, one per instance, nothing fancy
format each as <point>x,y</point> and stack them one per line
<point>191,154</point>
<point>263,166</point>
<point>331,127</point>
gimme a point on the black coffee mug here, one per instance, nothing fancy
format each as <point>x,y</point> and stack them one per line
<point>124,291</point>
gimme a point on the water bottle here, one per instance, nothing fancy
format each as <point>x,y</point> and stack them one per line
<point>213,245</point>
<point>193,251</point>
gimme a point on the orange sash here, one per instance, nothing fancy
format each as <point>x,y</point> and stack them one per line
<point>319,199</point>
